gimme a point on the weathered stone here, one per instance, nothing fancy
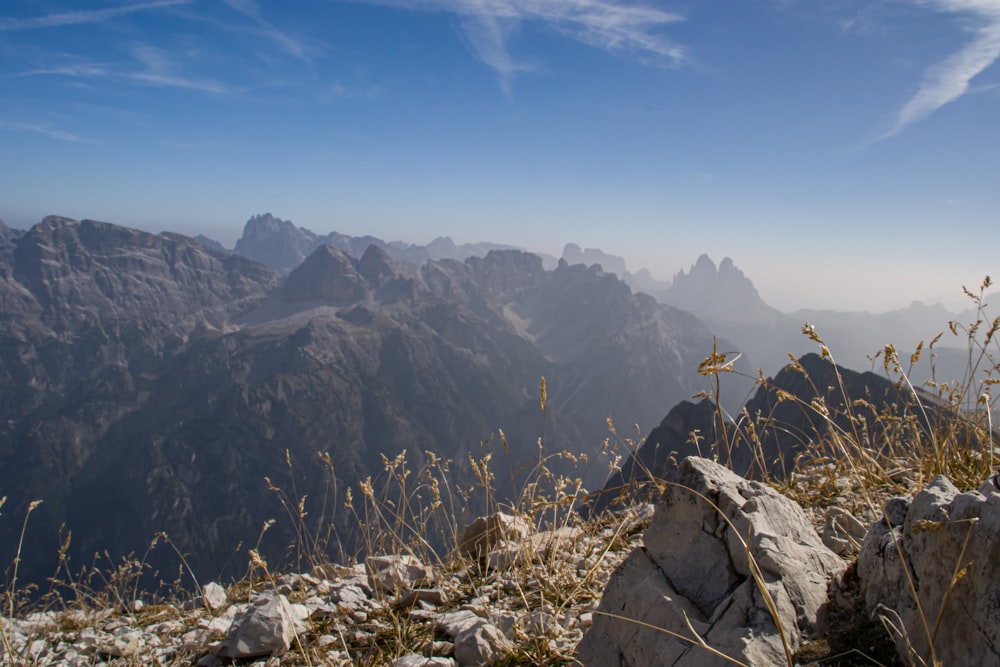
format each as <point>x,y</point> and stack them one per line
<point>396,573</point>
<point>907,573</point>
<point>267,628</point>
<point>213,597</point>
<point>480,644</point>
<point>455,622</point>
<point>843,532</point>
<point>485,533</point>
<point>693,575</point>
<point>896,509</point>
<point>415,660</point>
<point>433,596</point>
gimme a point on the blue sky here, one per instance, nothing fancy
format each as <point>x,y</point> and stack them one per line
<point>844,154</point>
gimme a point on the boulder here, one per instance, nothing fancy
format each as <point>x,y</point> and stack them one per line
<point>486,533</point>
<point>907,567</point>
<point>693,576</point>
<point>267,628</point>
<point>213,597</point>
<point>416,660</point>
<point>477,641</point>
<point>397,572</point>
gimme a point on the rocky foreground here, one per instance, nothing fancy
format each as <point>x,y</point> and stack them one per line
<point>721,570</point>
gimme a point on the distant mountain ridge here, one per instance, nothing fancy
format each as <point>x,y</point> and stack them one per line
<point>725,299</point>
<point>282,246</point>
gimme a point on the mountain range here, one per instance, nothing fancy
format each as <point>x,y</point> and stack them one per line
<point>727,301</point>
<point>282,246</point>
<point>151,382</point>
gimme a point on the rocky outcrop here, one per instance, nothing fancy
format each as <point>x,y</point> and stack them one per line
<point>689,429</point>
<point>693,582</point>
<point>329,275</point>
<point>785,423</point>
<point>929,568</point>
<point>276,243</point>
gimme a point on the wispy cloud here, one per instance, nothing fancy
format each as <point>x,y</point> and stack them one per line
<point>949,80</point>
<point>251,10</point>
<point>84,16</point>
<point>59,135</point>
<point>610,25</point>
<point>156,71</point>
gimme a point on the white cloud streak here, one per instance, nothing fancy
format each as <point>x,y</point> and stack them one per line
<point>949,80</point>
<point>251,10</point>
<point>58,135</point>
<point>84,16</point>
<point>610,25</point>
<point>156,72</point>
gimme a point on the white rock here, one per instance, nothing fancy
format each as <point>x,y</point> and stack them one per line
<point>480,644</point>
<point>213,597</point>
<point>455,622</point>
<point>415,660</point>
<point>397,572</point>
<point>693,574</point>
<point>843,532</point>
<point>932,539</point>
<point>266,629</point>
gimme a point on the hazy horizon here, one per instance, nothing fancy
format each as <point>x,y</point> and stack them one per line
<point>772,288</point>
<point>844,156</point>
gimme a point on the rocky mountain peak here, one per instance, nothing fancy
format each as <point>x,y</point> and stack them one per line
<point>275,242</point>
<point>211,243</point>
<point>714,292</point>
<point>377,266</point>
<point>329,275</point>
<point>442,247</point>
<point>261,227</point>
<point>507,270</point>
<point>704,267</point>
<point>89,272</point>
<point>573,254</point>
<point>5,231</point>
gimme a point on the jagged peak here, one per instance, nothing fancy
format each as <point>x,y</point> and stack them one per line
<point>704,264</point>
<point>266,224</point>
<point>328,274</point>
<point>377,266</point>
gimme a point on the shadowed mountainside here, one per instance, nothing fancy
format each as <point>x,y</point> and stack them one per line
<point>151,383</point>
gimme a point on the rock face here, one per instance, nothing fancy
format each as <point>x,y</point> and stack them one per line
<point>692,574</point>
<point>940,533</point>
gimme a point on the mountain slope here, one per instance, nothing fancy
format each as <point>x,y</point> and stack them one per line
<point>152,383</point>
